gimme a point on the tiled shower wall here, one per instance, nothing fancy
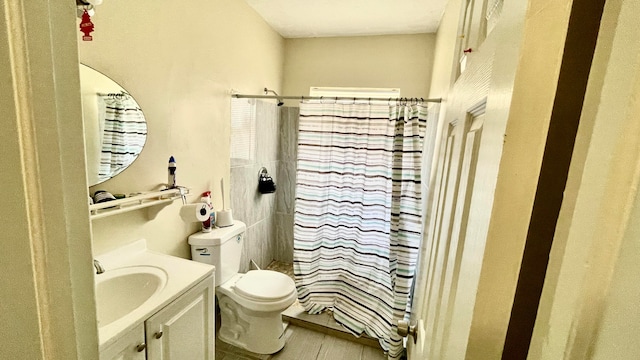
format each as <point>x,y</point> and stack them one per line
<point>269,217</point>
<point>285,196</point>
<point>251,207</point>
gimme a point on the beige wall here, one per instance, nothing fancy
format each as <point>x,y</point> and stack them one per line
<point>445,50</point>
<point>180,65</point>
<point>394,61</point>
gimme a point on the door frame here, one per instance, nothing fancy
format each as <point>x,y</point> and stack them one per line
<point>47,305</point>
<point>581,315</point>
<point>522,93</point>
<point>580,43</point>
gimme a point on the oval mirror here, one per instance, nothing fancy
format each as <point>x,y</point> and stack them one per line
<point>115,129</point>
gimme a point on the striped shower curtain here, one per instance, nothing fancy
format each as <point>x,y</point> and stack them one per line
<point>124,132</point>
<point>358,221</point>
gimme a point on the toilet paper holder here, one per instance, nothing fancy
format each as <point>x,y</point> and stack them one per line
<point>266,185</point>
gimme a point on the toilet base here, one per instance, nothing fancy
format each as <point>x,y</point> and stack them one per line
<point>258,332</point>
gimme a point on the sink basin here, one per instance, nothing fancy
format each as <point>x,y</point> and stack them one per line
<point>123,290</point>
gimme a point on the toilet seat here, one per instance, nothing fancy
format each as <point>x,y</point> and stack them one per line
<point>264,285</point>
<point>260,291</point>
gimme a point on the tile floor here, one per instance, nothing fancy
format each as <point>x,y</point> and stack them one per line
<point>323,323</point>
<point>309,337</point>
<point>306,344</point>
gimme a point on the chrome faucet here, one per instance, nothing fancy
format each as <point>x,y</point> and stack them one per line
<point>98,266</point>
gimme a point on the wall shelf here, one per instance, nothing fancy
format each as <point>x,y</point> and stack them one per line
<point>153,201</point>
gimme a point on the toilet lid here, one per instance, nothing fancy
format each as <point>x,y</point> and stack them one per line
<point>264,285</point>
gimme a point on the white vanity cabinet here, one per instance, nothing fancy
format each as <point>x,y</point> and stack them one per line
<point>130,346</point>
<point>184,329</point>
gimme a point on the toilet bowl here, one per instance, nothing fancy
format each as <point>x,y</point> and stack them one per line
<point>251,307</point>
<point>251,304</point>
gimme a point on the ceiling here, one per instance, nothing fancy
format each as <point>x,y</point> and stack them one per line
<point>327,18</point>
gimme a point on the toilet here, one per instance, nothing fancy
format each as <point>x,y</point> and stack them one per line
<point>251,304</point>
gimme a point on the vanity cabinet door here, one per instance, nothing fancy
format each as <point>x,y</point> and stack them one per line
<point>130,346</point>
<point>184,329</point>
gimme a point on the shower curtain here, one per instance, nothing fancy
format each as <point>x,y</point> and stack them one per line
<point>124,132</point>
<point>358,220</point>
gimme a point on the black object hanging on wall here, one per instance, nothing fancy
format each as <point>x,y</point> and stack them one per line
<point>265,182</point>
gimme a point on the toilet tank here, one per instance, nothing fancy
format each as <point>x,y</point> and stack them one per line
<point>221,247</point>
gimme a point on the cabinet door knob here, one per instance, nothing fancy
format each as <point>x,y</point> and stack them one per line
<point>159,334</point>
<point>141,347</point>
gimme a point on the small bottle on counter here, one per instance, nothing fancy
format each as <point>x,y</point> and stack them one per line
<point>171,184</point>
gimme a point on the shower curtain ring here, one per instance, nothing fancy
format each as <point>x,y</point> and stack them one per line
<point>321,97</point>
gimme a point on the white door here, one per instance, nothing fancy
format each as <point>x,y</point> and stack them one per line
<point>447,230</point>
<point>447,283</point>
<point>446,249</point>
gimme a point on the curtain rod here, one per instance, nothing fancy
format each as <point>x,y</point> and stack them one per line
<point>336,98</point>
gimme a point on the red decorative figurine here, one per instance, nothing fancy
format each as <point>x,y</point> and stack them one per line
<point>86,26</point>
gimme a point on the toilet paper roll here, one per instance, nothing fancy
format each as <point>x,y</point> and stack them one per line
<point>224,218</point>
<point>194,212</point>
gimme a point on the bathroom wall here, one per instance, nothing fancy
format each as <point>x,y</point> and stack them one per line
<point>255,209</point>
<point>285,196</point>
<point>269,217</point>
<point>399,61</point>
<point>180,64</point>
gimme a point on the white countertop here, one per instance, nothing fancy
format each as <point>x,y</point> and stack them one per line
<point>182,274</point>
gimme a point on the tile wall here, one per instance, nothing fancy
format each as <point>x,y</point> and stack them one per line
<point>285,198</point>
<point>269,217</point>
<point>251,207</point>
